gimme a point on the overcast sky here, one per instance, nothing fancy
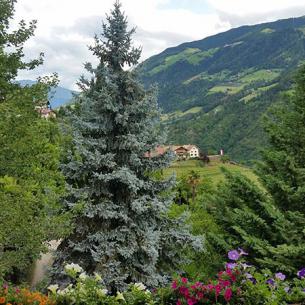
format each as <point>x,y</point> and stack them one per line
<point>66,27</point>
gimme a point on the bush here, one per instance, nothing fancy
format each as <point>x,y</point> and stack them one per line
<point>239,284</point>
<point>11,295</point>
<point>85,289</point>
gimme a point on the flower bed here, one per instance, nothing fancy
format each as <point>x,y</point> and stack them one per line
<point>238,283</point>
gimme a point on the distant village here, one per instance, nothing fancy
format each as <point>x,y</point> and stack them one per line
<point>184,152</point>
<point>46,111</point>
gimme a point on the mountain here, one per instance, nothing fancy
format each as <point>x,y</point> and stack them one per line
<point>214,92</point>
<point>57,97</point>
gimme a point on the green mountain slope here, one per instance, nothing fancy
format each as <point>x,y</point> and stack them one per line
<point>214,91</point>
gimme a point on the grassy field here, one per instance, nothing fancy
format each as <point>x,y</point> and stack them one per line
<point>212,171</point>
<point>266,75</point>
<point>179,114</point>
<point>226,89</point>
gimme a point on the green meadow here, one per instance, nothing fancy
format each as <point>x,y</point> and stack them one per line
<point>212,171</point>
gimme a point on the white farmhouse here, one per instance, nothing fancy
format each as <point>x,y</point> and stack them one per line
<point>193,150</point>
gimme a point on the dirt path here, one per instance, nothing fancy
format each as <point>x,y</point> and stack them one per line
<point>42,265</point>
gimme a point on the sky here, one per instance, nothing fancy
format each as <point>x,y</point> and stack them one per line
<point>66,27</point>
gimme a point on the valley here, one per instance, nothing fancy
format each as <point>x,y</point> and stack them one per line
<point>215,92</point>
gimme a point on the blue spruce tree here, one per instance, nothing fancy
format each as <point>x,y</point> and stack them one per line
<point>122,227</point>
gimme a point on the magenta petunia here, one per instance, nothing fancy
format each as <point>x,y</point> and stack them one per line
<point>184,280</point>
<point>191,301</point>
<point>174,285</point>
<point>228,294</point>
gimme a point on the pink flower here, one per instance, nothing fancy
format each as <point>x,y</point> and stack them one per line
<point>217,290</point>
<point>200,295</point>
<point>225,283</point>
<point>174,285</point>
<point>184,280</point>
<point>178,302</point>
<point>198,284</point>
<point>233,278</point>
<point>228,294</point>
<point>184,291</point>
<point>191,301</point>
<point>210,287</point>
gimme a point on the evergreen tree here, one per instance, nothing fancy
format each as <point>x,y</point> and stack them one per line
<point>249,219</point>
<point>122,229</point>
<point>283,168</point>
<point>269,220</point>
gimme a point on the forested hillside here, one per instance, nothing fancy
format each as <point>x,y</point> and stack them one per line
<point>214,91</point>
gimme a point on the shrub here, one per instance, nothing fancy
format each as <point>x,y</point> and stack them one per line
<point>11,295</point>
<point>239,283</point>
<point>85,289</point>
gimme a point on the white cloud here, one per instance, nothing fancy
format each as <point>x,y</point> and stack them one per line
<point>242,7</point>
<point>241,12</point>
<point>66,27</point>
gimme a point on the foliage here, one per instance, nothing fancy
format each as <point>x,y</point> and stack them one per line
<point>270,221</point>
<point>123,230</point>
<point>211,172</point>
<point>30,181</point>
<point>11,48</point>
<point>282,170</point>
<point>31,184</point>
<point>249,217</point>
<point>239,283</point>
<point>202,264</point>
<point>91,290</point>
<point>225,159</point>
<point>193,180</point>
<point>15,295</point>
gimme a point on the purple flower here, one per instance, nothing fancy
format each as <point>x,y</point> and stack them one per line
<point>287,289</point>
<point>242,252</point>
<point>233,255</point>
<point>245,266</point>
<point>231,265</point>
<point>270,282</point>
<point>250,277</point>
<point>280,276</point>
<point>301,273</point>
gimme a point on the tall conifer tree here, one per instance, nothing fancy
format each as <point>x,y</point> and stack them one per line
<point>122,229</point>
<point>283,168</point>
<point>270,221</point>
